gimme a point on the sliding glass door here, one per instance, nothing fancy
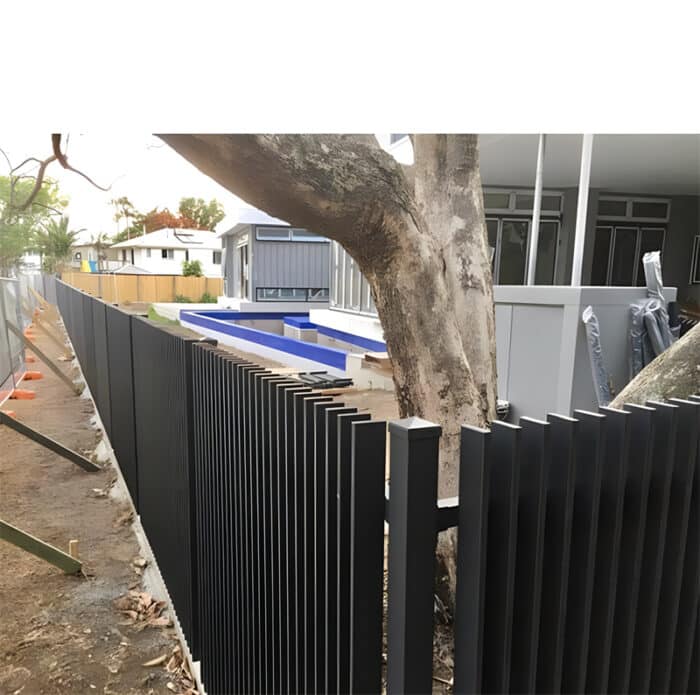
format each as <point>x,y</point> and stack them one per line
<point>618,252</point>
<point>509,240</point>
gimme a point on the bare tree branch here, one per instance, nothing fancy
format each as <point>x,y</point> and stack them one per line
<point>63,161</point>
<point>37,183</point>
<point>331,184</point>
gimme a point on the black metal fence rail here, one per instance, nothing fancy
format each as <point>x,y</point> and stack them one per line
<point>263,500</point>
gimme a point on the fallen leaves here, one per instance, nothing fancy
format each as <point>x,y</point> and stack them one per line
<point>178,668</point>
<point>142,610</point>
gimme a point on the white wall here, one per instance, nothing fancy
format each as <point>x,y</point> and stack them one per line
<point>173,266</point>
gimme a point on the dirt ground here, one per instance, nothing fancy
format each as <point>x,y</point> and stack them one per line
<point>67,634</point>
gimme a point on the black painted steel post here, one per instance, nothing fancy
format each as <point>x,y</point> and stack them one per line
<point>412,542</point>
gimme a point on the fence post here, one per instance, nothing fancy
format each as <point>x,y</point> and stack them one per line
<point>412,541</point>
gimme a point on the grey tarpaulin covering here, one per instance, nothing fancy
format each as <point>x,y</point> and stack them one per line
<point>595,352</point>
<point>650,333</point>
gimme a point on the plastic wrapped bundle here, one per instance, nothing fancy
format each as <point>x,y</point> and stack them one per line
<point>595,352</point>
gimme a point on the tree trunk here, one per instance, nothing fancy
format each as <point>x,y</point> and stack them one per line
<point>419,237</point>
<point>675,373</point>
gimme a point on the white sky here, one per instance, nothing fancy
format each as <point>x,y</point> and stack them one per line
<point>136,165</point>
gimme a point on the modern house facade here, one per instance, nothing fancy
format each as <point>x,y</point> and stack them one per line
<point>639,193</point>
<point>268,262</point>
<point>162,252</point>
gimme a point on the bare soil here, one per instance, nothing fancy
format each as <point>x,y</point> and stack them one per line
<point>60,633</point>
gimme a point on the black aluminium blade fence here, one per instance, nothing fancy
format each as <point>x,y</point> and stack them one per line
<point>264,502</point>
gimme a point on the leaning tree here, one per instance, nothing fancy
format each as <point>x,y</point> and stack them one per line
<point>419,237</point>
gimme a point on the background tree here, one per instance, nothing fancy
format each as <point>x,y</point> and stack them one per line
<point>54,241</point>
<point>19,224</point>
<point>125,211</point>
<point>192,268</point>
<point>101,243</point>
<point>204,215</point>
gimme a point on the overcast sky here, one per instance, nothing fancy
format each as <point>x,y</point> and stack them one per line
<point>137,165</point>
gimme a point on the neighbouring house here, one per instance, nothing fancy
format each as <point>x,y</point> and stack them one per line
<point>106,259</point>
<point>269,262</point>
<point>162,252</point>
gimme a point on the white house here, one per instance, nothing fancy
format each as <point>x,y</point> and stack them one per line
<point>163,252</point>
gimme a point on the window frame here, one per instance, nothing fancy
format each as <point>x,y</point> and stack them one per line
<point>167,254</point>
<point>629,205</point>
<point>637,248</point>
<point>307,297</point>
<point>694,278</point>
<point>496,269</point>
<point>213,257</point>
<point>512,197</point>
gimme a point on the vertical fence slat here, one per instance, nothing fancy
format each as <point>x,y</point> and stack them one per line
<point>412,541</point>
<point>342,422</point>
<point>330,571</point>
<point>318,470</point>
<point>676,535</point>
<point>632,540</point>
<point>500,556</point>
<point>288,532</point>
<point>584,534</point>
<point>614,473</point>
<point>471,559</point>
<point>555,567</point>
<point>665,430</point>
<point>367,555</point>
<point>309,532</point>
<point>534,467</point>
<point>684,669</point>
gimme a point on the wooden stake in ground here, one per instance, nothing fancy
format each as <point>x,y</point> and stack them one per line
<point>36,546</point>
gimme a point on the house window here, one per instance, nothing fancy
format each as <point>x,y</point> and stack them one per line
<point>520,201</point>
<point>216,257</point>
<point>148,253</point>
<point>306,235</point>
<point>287,234</point>
<point>695,262</point>
<point>124,255</point>
<point>396,137</point>
<point>291,294</point>
<point>613,207</point>
<point>618,252</point>
<point>167,253</point>
<point>187,254</point>
<point>272,233</point>
<point>509,240</point>
<point>350,290</point>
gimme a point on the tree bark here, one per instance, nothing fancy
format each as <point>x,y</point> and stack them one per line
<point>675,373</point>
<point>418,235</point>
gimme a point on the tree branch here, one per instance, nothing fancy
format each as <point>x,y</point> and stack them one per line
<point>37,183</point>
<point>330,184</point>
<point>63,161</point>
